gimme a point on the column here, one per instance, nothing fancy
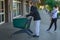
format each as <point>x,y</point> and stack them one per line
<point>10,10</point>
<point>6,10</point>
<point>24,7</point>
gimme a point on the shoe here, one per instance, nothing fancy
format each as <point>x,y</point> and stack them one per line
<point>35,36</point>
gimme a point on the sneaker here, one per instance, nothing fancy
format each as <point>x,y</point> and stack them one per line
<point>35,36</point>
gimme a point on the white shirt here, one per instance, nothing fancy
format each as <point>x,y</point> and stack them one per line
<point>54,13</point>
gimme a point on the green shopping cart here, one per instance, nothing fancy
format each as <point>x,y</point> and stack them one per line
<point>23,24</point>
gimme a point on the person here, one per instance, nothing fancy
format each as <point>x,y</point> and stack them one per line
<point>35,14</point>
<point>54,18</point>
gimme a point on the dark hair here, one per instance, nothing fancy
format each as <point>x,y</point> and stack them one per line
<point>55,6</point>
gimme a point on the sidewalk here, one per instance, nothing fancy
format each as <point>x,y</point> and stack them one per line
<point>7,29</point>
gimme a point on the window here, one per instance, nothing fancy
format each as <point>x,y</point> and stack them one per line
<point>14,11</point>
<point>2,11</point>
<point>27,6</point>
<point>17,8</point>
<point>2,17</point>
<point>1,6</point>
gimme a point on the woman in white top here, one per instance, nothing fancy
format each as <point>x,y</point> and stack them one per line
<point>54,18</point>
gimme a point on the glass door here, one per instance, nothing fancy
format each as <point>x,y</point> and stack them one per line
<point>2,13</point>
<point>16,8</point>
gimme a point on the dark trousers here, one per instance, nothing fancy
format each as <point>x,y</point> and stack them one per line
<point>53,21</point>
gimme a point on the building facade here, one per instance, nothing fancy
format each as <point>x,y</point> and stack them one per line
<point>11,9</point>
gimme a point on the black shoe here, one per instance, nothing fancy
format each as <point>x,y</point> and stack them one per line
<point>35,36</point>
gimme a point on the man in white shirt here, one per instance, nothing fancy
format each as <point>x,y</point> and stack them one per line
<point>54,18</point>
